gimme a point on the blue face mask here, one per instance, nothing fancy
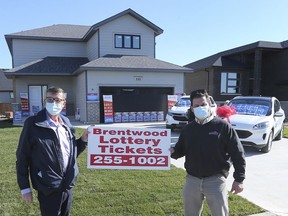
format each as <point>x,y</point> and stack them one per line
<point>201,112</point>
<point>54,108</point>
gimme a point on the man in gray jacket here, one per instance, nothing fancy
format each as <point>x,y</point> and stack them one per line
<point>47,153</point>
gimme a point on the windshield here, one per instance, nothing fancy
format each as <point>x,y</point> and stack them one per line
<point>183,102</point>
<point>251,106</point>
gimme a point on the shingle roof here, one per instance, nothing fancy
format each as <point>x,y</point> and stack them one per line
<point>60,31</point>
<point>56,66</point>
<point>220,59</point>
<point>67,66</point>
<point>284,44</point>
<point>74,32</point>
<point>132,63</point>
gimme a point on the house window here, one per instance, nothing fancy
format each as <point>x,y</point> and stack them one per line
<point>127,41</point>
<point>230,83</point>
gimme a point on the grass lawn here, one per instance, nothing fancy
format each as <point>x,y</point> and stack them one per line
<point>106,192</point>
<point>285,134</point>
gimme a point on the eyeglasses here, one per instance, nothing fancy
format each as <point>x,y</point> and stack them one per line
<point>51,100</point>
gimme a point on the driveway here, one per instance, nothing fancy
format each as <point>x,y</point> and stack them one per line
<point>266,174</point>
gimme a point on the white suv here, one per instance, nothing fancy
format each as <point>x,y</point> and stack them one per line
<point>258,120</point>
<point>177,115</point>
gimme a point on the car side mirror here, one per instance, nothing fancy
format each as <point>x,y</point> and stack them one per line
<point>278,114</point>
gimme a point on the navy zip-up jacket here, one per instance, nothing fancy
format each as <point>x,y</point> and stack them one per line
<point>39,154</point>
<point>209,149</point>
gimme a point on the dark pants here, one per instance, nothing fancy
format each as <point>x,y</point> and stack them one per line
<point>55,204</point>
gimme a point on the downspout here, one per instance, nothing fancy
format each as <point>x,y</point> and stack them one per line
<point>14,89</point>
<point>154,45</point>
<point>86,93</point>
<point>208,80</point>
<point>99,43</point>
<point>257,72</point>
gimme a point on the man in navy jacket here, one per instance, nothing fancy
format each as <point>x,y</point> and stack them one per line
<point>47,153</point>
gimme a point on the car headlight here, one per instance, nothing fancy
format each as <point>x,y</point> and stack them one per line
<point>261,125</point>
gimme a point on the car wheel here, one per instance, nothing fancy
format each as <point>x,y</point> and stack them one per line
<point>280,134</point>
<point>268,146</point>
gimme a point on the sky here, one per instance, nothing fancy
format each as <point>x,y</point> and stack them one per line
<point>193,29</point>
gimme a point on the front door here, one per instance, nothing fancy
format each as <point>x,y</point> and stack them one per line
<point>36,98</point>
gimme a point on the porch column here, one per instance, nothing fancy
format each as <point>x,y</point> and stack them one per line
<point>257,72</point>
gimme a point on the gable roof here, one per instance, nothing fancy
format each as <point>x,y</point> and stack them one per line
<point>131,63</point>
<point>221,58</point>
<point>74,32</point>
<point>48,66</point>
<point>130,12</point>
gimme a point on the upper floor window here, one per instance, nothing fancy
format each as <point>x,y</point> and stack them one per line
<point>230,83</point>
<point>127,41</point>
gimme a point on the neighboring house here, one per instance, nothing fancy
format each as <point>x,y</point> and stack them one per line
<point>113,57</point>
<point>259,68</point>
<point>6,93</point>
<point>6,88</point>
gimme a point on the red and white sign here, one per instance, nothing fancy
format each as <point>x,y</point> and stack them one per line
<point>24,104</point>
<point>172,100</point>
<point>108,108</point>
<point>128,148</point>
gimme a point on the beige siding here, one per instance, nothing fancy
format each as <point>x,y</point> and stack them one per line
<point>5,97</point>
<point>80,88</point>
<point>92,47</point>
<point>149,79</point>
<point>126,25</point>
<point>25,51</point>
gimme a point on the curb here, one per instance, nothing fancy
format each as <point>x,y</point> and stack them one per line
<point>264,214</point>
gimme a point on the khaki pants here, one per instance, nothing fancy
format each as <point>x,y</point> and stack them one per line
<point>213,188</point>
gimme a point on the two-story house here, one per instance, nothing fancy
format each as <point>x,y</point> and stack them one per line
<point>113,57</point>
<point>258,68</point>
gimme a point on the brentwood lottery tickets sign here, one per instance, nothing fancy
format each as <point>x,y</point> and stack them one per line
<point>128,148</point>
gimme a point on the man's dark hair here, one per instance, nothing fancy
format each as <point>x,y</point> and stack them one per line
<point>198,94</point>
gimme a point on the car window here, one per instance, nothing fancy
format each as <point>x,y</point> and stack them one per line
<point>251,107</point>
<point>183,103</point>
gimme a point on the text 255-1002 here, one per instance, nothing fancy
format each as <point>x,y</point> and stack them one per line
<point>128,160</point>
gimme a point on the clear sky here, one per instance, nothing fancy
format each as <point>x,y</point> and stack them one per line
<point>193,29</point>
